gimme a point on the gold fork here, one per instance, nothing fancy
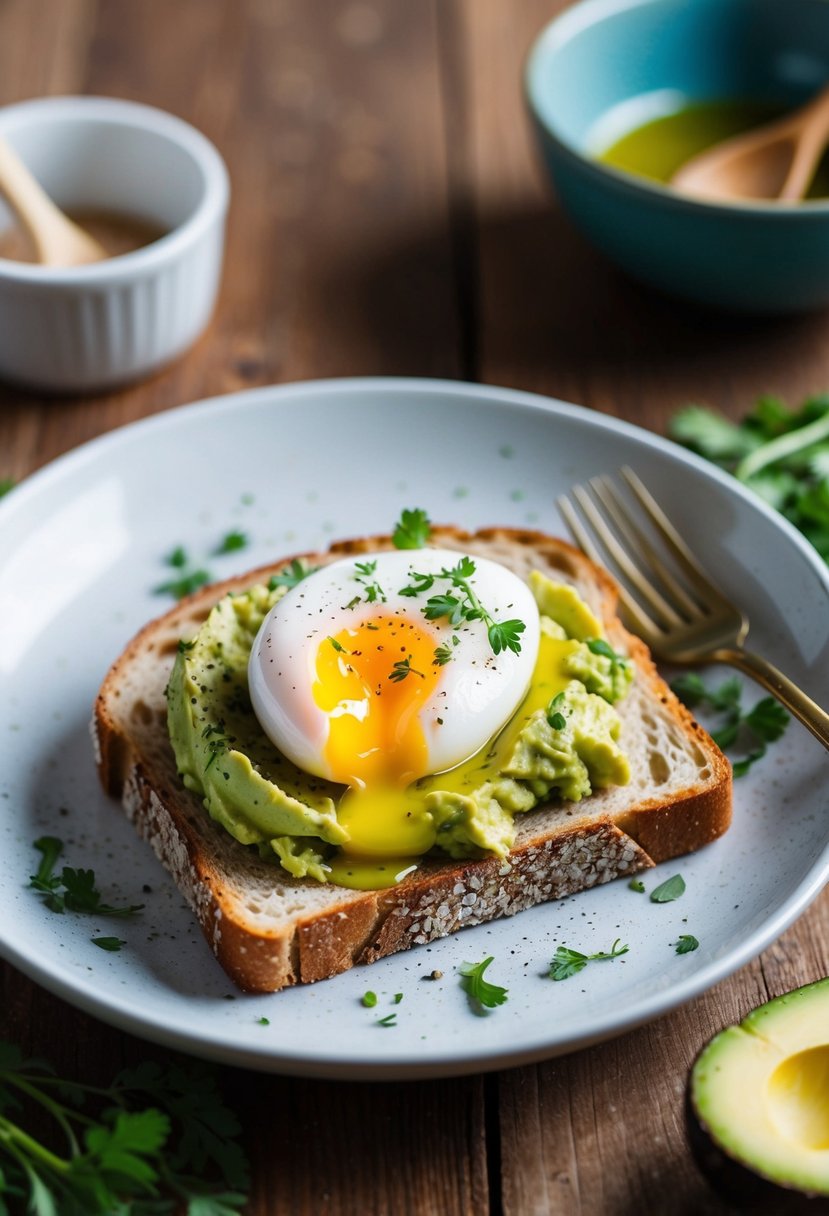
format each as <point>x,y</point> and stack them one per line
<point>676,608</point>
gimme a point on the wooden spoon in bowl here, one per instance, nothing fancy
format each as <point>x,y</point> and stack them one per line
<point>56,239</point>
<point>775,161</point>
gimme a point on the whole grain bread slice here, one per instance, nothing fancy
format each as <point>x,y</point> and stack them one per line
<point>269,930</point>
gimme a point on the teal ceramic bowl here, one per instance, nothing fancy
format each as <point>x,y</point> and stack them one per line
<point>605,67</point>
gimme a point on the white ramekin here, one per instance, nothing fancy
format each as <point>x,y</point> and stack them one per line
<point>90,327</point>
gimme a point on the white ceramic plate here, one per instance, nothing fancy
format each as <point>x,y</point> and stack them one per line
<point>81,547</point>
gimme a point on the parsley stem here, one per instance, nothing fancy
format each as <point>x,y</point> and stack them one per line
<point>475,602</point>
<point>55,1109</point>
<point>783,446</point>
<point>12,1134</point>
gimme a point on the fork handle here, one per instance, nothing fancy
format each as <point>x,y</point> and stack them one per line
<point>795,700</point>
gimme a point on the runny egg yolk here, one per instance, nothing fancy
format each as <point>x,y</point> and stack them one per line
<point>373,681</point>
<point>389,825</point>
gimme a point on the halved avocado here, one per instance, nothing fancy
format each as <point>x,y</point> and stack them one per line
<point>758,1106</point>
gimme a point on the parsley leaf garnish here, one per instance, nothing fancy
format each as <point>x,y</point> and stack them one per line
<point>186,585</point>
<point>72,890</point>
<point>6,484</point>
<point>403,668</point>
<point>555,717</point>
<point>669,890</point>
<point>113,944</point>
<point>687,942</point>
<point>479,990</point>
<point>45,881</point>
<point>445,652</point>
<point>566,962</point>
<point>601,647</point>
<point>502,635</point>
<point>217,741</point>
<point>188,577</point>
<point>412,530</point>
<point>374,592</point>
<point>751,732</point>
<point>153,1141</point>
<point>293,573</point>
<point>231,542</point>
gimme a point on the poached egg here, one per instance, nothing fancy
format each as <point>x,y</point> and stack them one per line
<point>355,678</point>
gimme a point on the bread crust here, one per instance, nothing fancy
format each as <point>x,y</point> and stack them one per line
<point>556,854</point>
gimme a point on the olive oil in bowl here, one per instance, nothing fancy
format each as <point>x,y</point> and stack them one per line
<point>658,148</point>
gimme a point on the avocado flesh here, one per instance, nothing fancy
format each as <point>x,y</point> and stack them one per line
<point>760,1090</point>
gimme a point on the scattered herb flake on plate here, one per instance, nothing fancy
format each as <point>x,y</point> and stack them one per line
<point>72,890</point>
<point>231,542</point>
<point>567,962</point>
<point>483,994</point>
<point>669,890</point>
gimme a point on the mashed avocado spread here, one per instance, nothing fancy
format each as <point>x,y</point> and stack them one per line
<point>561,742</point>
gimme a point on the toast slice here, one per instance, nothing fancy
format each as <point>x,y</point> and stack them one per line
<point>269,930</point>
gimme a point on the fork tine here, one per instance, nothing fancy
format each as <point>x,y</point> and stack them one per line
<point>672,539</point>
<point>628,528</point>
<point>655,602</point>
<point>636,614</point>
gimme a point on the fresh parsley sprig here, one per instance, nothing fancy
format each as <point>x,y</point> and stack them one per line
<point>567,962</point>
<point>291,576</point>
<point>465,606</point>
<point>189,577</point>
<point>374,593</point>
<point>412,530</point>
<point>780,453</point>
<point>154,1141</point>
<point>71,890</point>
<point>403,668</point>
<point>479,990</point>
<point>750,732</point>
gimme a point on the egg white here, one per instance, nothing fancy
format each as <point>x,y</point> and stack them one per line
<point>476,693</point>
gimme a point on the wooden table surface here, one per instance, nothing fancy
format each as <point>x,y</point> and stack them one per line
<point>388,217</point>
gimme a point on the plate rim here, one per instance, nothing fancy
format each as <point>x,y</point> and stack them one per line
<point>450,1061</point>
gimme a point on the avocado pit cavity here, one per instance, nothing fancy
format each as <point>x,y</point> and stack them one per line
<point>798,1098</point>
<point>758,1106</point>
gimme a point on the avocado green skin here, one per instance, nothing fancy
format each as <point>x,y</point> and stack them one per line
<point>744,1189</point>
